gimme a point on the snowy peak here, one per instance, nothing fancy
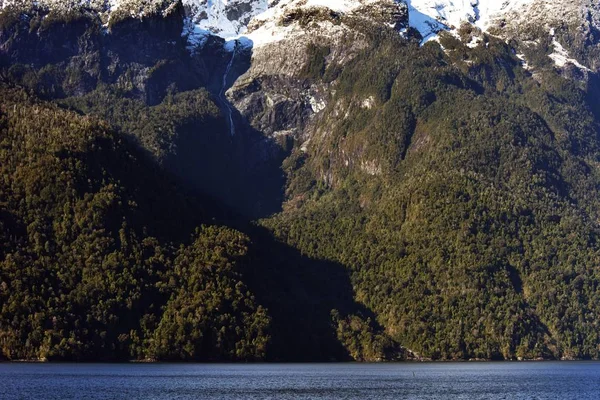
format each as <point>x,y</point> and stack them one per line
<point>278,21</point>
<point>569,27</point>
<point>230,18</point>
<point>431,16</point>
<point>225,18</point>
<point>256,23</point>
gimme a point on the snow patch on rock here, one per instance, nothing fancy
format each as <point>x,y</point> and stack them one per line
<point>561,56</point>
<point>266,27</point>
<point>431,16</point>
<point>368,103</point>
<point>225,18</point>
<point>317,105</point>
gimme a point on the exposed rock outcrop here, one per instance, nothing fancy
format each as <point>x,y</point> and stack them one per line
<point>143,56</point>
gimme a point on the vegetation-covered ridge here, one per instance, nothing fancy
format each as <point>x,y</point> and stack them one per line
<point>89,268</point>
<point>103,257</point>
<point>462,193</point>
<point>442,199</point>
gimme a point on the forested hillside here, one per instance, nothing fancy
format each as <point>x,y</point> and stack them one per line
<point>464,200</point>
<point>104,257</point>
<point>90,266</point>
<point>381,198</point>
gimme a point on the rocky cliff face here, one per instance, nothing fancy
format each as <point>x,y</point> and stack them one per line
<point>224,18</point>
<point>567,31</point>
<point>272,67</point>
<point>289,80</point>
<point>277,97</point>
<point>139,46</point>
<point>141,56</point>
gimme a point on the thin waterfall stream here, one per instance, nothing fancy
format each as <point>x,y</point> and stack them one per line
<point>224,87</point>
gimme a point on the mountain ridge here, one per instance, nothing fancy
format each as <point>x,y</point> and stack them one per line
<point>257,21</point>
<point>393,193</point>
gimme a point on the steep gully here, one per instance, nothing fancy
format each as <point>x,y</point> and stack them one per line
<point>222,98</point>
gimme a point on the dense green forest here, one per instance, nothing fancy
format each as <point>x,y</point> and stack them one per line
<point>446,206</point>
<point>465,203</point>
<point>90,269</point>
<point>104,257</point>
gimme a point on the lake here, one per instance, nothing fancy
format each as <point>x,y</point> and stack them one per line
<point>509,380</point>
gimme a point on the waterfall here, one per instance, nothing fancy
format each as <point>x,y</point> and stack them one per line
<point>224,87</point>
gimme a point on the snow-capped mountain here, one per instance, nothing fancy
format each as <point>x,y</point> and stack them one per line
<point>256,23</point>
<point>228,18</point>
<point>431,16</point>
<point>567,24</point>
<point>569,27</point>
<point>225,18</point>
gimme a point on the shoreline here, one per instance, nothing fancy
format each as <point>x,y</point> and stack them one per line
<point>124,362</point>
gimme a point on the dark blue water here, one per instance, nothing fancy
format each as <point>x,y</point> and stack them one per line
<point>543,380</point>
